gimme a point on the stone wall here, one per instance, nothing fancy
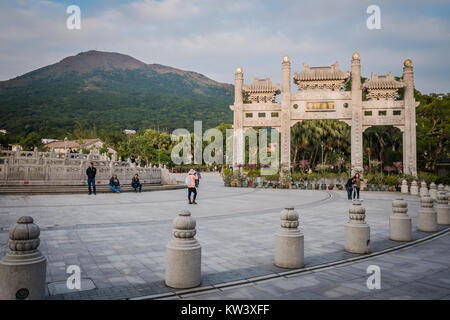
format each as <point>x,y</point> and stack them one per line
<point>50,168</point>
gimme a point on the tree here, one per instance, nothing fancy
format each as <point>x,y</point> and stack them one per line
<point>30,141</point>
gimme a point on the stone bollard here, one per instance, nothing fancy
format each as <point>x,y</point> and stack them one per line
<point>423,189</point>
<point>289,247</point>
<point>404,188</point>
<point>183,255</point>
<point>414,188</point>
<point>441,187</point>
<point>433,191</point>
<point>427,215</point>
<point>23,269</point>
<point>399,222</point>
<point>443,211</point>
<point>357,232</point>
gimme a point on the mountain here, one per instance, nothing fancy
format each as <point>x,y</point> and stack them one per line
<point>106,90</point>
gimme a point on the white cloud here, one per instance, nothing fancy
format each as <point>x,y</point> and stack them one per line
<point>214,36</point>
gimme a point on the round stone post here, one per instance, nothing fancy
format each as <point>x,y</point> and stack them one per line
<point>23,269</point>
<point>414,188</point>
<point>427,215</point>
<point>404,188</point>
<point>423,189</point>
<point>183,254</point>
<point>399,222</point>
<point>289,241</point>
<point>357,232</point>
<point>433,191</point>
<point>443,211</point>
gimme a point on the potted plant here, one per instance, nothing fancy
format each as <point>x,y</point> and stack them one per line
<point>227,175</point>
<point>391,181</point>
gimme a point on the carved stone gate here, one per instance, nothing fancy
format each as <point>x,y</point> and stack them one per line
<point>321,95</point>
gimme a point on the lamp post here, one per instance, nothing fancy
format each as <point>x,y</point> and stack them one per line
<point>65,144</point>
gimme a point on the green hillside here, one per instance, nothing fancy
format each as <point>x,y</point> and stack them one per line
<point>104,90</point>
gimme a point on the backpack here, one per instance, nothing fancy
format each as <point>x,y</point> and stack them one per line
<point>187,180</point>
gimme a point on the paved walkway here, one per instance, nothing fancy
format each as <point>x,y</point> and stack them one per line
<point>119,240</point>
<point>417,272</point>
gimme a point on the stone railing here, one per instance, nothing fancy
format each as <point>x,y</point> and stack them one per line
<point>49,168</point>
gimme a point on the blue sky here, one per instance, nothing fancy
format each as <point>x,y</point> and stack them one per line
<point>214,36</point>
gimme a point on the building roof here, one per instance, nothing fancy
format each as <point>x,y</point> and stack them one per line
<point>262,85</point>
<point>381,82</point>
<point>321,73</point>
<point>72,143</point>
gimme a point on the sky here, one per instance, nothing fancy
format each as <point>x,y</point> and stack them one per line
<point>213,37</point>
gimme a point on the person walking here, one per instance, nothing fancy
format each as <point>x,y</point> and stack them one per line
<point>136,184</point>
<point>91,172</point>
<point>114,183</point>
<point>349,188</point>
<point>192,186</point>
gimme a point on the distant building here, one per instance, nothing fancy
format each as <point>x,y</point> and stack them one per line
<point>77,145</point>
<point>127,131</point>
<point>47,141</point>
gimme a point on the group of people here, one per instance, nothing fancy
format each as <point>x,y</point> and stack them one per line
<point>114,183</point>
<point>353,186</point>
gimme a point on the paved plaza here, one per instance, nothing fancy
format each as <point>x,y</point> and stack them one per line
<point>119,240</point>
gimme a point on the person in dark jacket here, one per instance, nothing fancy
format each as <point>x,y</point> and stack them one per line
<point>349,188</point>
<point>91,172</point>
<point>114,183</point>
<point>136,184</point>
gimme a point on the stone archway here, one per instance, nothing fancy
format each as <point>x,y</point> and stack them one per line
<point>321,95</point>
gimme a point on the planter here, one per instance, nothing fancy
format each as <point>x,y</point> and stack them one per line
<point>250,183</point>
<point>309,186</point>
<point>330,187</point>
<point>316,187</point>
<point>293,186</point>
<point>391,188</point>
<point>227,184</point>
<point>323,186</point>
<point>340,187</point>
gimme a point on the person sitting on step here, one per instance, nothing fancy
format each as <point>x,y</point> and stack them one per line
<point>136,184</point>
<point>114,183</point>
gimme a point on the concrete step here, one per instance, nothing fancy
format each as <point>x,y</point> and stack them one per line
<point>35,189</point>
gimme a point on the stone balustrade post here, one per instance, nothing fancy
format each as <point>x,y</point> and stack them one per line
<point>423,189</point>
<point>289,241</point>
<point>433,191</point>
<point>414,188</point>
<point>23,269</point>
<point>357,232</point>
<point>404,188</point>
<point>183,254</point>
<point>427,215</point>
<point>443,210</point>
<point>400,226</point>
